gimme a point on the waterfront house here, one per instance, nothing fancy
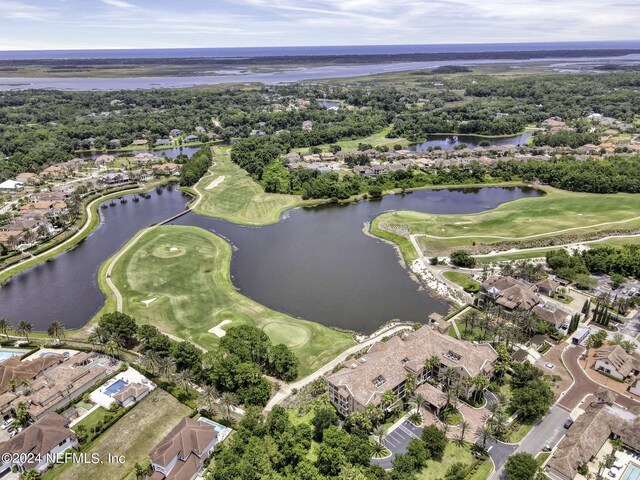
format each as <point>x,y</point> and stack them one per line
<point>510,293</point>
<point>175,132</point>
<point>163,142</point>
<point>191,139</point>
<point>37,445</point>
<point>389,365</point>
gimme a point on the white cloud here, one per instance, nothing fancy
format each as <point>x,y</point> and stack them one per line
<point>24,11</point>
<point>119,4</point>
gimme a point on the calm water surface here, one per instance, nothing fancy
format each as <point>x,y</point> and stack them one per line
<point>450,141</point>
<point>316,263</point>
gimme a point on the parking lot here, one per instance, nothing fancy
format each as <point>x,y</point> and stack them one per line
<point>396,441</point>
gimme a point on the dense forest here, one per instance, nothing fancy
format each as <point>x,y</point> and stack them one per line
<point>39,128</point>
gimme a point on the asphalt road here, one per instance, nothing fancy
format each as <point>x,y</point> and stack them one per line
<point>548,432</point>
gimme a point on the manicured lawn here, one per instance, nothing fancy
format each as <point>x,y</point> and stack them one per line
<point>454,453</point>
<point>92,420</point>
<point>462,279</point>
<point>520,433</point>
<point>133,436</point>
<point>186,270</point>
<point>542,457</point>
<point>537,217</point>
<point>377,139</point>
<point>483,472</point>
<point>238,198</point>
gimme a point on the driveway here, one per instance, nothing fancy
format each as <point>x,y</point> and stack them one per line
<point>500,452</point>
<point>396,441</point>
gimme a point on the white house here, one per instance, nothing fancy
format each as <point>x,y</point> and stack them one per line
<point>615,361</point>
<point>11,186</point>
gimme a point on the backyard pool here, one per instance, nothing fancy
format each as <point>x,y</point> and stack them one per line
<point>5,354</point>
<point>632,472</point>
<point>115,387</point>
<point>215,425</point>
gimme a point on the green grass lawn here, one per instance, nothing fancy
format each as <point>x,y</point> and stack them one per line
<point>239,198</point>
<point>90,421</point>
<point>133,436</point>
<point>483,472</point>
<point>186,269</point>
<point>522,431</point>
<point>542,216</point>
<point>462,279</point>
<point>454,453</point>
<point>377,139</point>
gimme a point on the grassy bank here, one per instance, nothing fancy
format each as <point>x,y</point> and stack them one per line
<point>376,139</point>
<point>238,198</point>
<point>529,218</point>
<point>186,271</point>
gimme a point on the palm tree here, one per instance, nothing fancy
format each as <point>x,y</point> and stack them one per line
<point>209,397</point>
<point>112,348</point>
<point>472,318</point>
<point>184,379</point>
<point>228,401</point>
<point>5,326</point>
<point>418,402</point>
<point>480,382</point>
<point>447,375</point>
<point>432,364</point>
<point>616,444</point>
<point>166,367</point>
<point>24,328</point>
<point>464,426</point>
<point>149,361</point>
<point>389,400</point>
<point>484,434</point>
<point>56,330</point>
<point>379,433</point>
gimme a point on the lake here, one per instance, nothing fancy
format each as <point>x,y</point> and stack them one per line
<point>451,141</point>
<point>316,263</point>
<point>164,152</point>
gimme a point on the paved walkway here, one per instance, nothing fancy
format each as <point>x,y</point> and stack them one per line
<point>286,388</point>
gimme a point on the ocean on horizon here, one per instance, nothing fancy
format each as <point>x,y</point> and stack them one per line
<point>245,52</point>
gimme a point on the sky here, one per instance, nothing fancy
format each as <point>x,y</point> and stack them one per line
<point>95,24</point>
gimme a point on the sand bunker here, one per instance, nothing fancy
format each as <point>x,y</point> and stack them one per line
<point>217,330</point>
<point>215,182</point>
<point>147,302</point>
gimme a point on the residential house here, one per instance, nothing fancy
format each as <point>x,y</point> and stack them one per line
<point>114,178</point>
<point>28,178</point>
<point>548,286</point>
<point>38,445</point>
<point>132,393</point>
<point>181,454</point>
<point>511,293</point>
<point>104,159</point>
<point>144,157</point>
<point>613,360</point>
<point>191,139</point>
<point>307,125</point>
<point>553,314</point>
<point>601,421</point>
<point>387,366</point>
<point>162,142</point>
<point>175,132</point>
<point>58,380</point>
<point>139,142</point>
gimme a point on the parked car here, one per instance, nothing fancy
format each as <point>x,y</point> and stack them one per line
<point>568,423</point>
<point>546,448</point>
<point>7,423</point>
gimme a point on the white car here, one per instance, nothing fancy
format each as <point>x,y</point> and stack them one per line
<point>7,423</point>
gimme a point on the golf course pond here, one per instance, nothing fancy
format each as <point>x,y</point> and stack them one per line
<point>315,263</point>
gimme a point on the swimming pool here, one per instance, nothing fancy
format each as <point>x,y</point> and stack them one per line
<point>215,425</point>
<point>632,472</point>
<point>5,354</point>
<point>115,387</point>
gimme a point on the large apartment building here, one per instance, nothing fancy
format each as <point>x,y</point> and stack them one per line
<point>388,365</point>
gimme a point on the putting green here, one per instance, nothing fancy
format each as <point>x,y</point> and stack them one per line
<point>291,335</point>
<point>194,292</point>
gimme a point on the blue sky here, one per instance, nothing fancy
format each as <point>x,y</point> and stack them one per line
<point>90,24</point>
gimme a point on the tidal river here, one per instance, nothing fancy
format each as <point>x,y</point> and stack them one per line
<point>315,263</point>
